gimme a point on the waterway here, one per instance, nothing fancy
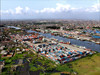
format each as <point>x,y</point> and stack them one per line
<point>96,37</point>
<point>87,44</point>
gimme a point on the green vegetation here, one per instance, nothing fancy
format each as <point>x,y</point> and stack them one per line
<point>88,66</point>
<point>0,56</point>
<point>14,31</point>
<point>41,63</point>
<point>64,67</point>
<point>96,27</point>
<point>69,29</point>
<point>52,27</point>
<point>9,61</point>
<point>80,28</point>
<point>40,23</point>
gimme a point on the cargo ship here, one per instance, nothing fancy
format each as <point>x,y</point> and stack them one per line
<point>64,42</point>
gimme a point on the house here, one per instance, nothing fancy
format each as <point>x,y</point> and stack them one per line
<point>19,52</point>
<point>17,49</point>
<point>4,52</point>
<point>23,50</point>
<point>2,47</point>
<point>27,49</point>
<point>9,55</point>
<point>65,73</point>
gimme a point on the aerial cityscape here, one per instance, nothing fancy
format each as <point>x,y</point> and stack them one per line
<point>50,37</point>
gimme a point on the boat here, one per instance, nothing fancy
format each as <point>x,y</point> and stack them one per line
<point>52,33</point>
<point>83,47</point>
<point>70,37</point>
<point>97,43</point>
<point>61,41</point>
<point>67,43</point>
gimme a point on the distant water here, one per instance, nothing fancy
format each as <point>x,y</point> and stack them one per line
<point>87,44</point>
<point>13,27</point>
<point>97,37</point>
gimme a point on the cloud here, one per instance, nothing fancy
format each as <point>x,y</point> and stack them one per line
<point>10,11</point>
<point>62,11</point>
<point>18,10</point>
<point>94,8</point>
<point>48,10</point>
<point>59,8</point>
<point>27,9</point>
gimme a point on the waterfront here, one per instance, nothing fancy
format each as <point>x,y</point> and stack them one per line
<point>87,44</point>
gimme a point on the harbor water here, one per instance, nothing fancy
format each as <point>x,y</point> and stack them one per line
<point>87,44</point>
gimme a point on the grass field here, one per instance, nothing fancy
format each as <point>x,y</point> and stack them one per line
<point>89,65</point>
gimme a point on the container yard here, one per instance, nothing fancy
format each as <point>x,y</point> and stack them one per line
<point>58,51</point>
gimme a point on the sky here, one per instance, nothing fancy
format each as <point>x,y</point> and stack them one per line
<point>50,9</point>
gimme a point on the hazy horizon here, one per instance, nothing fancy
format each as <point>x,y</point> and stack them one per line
<point>50,9</point>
